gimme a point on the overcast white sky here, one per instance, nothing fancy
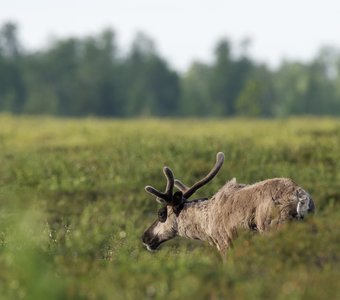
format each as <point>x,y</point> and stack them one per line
<point>185,30</point>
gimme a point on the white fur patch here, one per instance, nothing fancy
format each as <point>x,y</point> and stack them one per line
<point>303,205</point>
<point>148,247</point>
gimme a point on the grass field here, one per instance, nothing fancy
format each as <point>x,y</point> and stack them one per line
<point>73,208</point>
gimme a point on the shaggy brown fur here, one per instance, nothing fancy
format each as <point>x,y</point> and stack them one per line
<point>258,207</point>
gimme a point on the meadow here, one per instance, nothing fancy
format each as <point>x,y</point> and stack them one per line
<point>73,208</point>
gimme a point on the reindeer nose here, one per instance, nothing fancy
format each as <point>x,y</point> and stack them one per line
<point>145,238</point>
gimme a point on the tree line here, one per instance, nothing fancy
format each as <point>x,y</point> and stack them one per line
<point>91,76</point>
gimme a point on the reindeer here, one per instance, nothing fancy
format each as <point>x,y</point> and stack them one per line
<point>217,220</point>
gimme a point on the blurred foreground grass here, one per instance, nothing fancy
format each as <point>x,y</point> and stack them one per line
<point>73,208</point>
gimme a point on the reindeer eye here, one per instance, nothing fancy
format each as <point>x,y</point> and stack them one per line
<point>162,214</point>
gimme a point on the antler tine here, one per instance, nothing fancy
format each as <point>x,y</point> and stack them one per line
<point>190,191</point>
<point>170,182</point>
<point>160,197</point>
<point>181,186</point>
<point>166,197</point>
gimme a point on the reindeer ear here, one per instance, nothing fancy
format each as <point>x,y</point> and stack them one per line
<point>178,202</point>
<point>177,198</point>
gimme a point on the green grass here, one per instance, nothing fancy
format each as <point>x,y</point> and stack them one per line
<point>73,209</point>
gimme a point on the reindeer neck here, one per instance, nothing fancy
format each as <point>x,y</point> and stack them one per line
<point>193,220</point>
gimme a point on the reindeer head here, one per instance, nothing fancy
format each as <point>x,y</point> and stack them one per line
<point>165,227</point>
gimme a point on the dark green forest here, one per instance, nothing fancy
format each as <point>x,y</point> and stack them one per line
<point>93,76</point>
